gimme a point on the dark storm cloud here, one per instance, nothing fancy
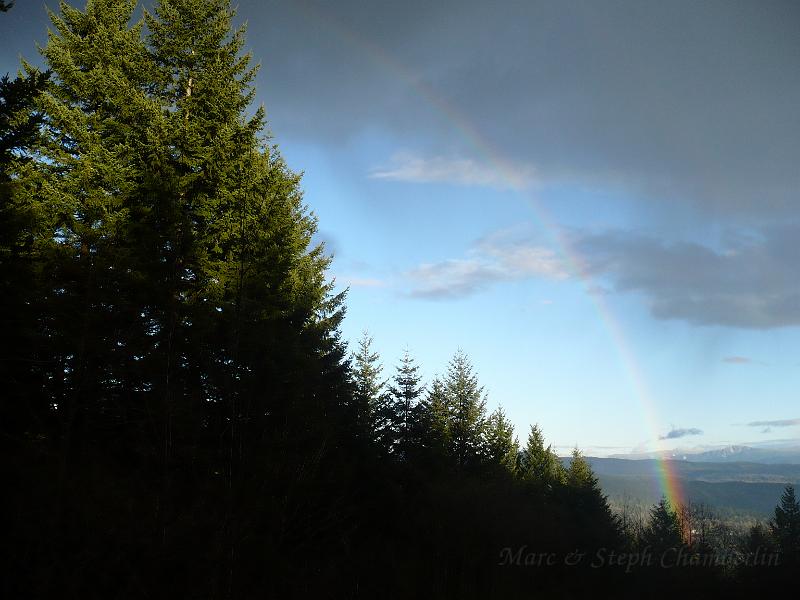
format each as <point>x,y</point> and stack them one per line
<point>682,100</point>
<point>748,284</point>
<point>679,433</point>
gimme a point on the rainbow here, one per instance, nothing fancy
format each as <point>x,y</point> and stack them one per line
<point>669,482</point>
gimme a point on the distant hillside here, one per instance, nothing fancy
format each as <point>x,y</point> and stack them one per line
<point>743,488</point>
<point>787,455</point>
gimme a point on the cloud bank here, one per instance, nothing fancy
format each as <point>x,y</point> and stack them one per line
<point>749,282</point>
<point>779,423</point>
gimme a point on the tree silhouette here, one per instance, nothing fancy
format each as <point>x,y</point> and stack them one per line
<point>663,531</point>
<point>403,406</point>
<point>785,526</point>
<point>468,405</point>
<point>370,393</point>
<point>501,446</point>
<point>539,464</point>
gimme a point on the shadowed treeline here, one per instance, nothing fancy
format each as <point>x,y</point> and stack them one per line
<point>180,417</point>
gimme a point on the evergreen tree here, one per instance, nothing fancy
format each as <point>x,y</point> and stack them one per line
<point>785,526</point>
<point>583,492</point>
<point>248,350</point>
<point>663,531</point>
<point>435,417</point>
<point>579,474</point>
<point>244,306</point>
<point>73,193</point>
<point>501,446</point>
<point>404,406</point>
<point>468,417</point>
<point>539,464</point>
<point>179,319</point>
<point>370,394</point>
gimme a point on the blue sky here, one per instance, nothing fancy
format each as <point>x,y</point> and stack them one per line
<point>577,196</point>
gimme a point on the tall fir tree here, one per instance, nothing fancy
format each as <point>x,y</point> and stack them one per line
<point>436,416</point>
<point>370,393</point>
<point>468,405</point>
<point>582,490</point>
<point>785,526</point>
<point>663,532</point>
<point>404,407</point>
<point>501,446</point>
<point>181,319</point>
<point>248,347</point>
<point>579,474</point>
<point>538,463</point>
<point>76,197</point>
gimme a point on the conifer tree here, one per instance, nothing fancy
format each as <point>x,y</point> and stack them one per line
<point>579,474</point>
<point>588,500</point>
<point>74,192</point>
<point>663,531</point>
<point>182,316</point>
<point>245,306</point>
<point>539,464</point>
<point>501,446</point>
<point>370,393</point>
<point>785,526</point>
<point>468,404</point>
<point>436,417</point>
<point>404,406</point>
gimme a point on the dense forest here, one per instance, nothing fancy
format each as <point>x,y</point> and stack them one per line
<point>180,416</point>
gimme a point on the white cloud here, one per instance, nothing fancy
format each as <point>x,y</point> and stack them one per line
<point>459,171</point>
<point>492,260</point>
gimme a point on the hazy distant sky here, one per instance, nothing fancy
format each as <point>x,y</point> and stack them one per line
<point>598,201</point>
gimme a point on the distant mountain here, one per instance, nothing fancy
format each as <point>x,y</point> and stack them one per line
<point>749,489</point>
<point>731,471</point>
<point>787,455</point>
